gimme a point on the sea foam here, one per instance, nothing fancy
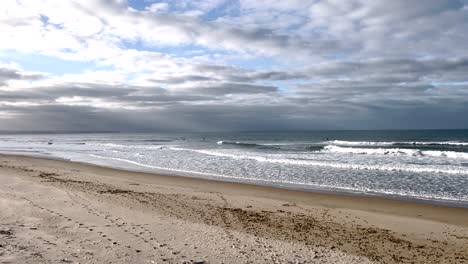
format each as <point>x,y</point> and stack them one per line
<point>396,151</point>
<point>338,165</point>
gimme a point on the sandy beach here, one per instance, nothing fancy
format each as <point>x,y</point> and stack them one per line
<point>54,211</point>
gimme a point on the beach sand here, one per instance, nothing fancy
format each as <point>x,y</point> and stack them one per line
<point>55,211</point>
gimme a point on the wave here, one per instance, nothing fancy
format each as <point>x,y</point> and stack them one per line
<point>395,143</point>
<point>283,182</point>
<point>448,154</point>
<point>440,143</point>
<point>370,147</point>
<point>358,143</point>
<point>458,198</point>
<point>294,146</point>
<point>238,144</point>
<point>148,140</point>
<point>248,145</point>
<point>396,151</point>
<point>337,165</point>
<point>112,145</point>
<point>380,151</point>
<point>119,146</point>
<point>381,147</point>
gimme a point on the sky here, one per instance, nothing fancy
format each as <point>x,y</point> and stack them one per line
<point>220,65</point>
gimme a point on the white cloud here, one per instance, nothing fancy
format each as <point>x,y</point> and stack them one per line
<point>320,56</point>
<point>158,7</point>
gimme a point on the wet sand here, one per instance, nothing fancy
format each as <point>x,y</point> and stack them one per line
<point>62,212</point>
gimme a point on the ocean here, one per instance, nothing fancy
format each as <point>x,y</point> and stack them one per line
<point>426,165</point>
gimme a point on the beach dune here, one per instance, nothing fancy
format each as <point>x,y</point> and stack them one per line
<point>54,211</point>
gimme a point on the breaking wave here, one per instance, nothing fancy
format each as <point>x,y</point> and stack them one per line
<point>248,145</point>
<point>396,151</point>
<point>396,143</point>
<point>337,165</point>
<point>418,195</point>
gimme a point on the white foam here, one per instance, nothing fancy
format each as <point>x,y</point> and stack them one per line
<point>447,154</point>
<point>389,143</point>
<point>396,151</point>
<point>112,145</point>
<point>291,183</point>
<point>451,143</point>
<point>337,165</point>
<point>221,142</point>
<point>378,151</point>
<point>358,143</point>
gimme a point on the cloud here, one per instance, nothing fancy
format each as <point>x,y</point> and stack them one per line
<point>234,88</point>
<point>355,29</point>
<point>211,65</point>
<point>9,73</point>
<point>182,79</point>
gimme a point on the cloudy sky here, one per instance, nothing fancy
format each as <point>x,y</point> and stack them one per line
<point>208,65</point>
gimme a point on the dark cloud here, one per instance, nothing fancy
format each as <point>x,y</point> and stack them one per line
<point>233,88</point>
<point>356,65</point>
<point>370,94</point>
<point>67,90</point>
<point>131,95</point>
<point>453,69</point>
<point>212,117</point>
<point>7,74</point>
<point>183,79</point>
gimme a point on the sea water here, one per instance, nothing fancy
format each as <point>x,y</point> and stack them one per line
<point>429,165</point>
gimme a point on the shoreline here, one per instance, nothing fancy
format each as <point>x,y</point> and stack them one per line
<point>333,199</point>
<point>292,187</point>
<point>76,212</point>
